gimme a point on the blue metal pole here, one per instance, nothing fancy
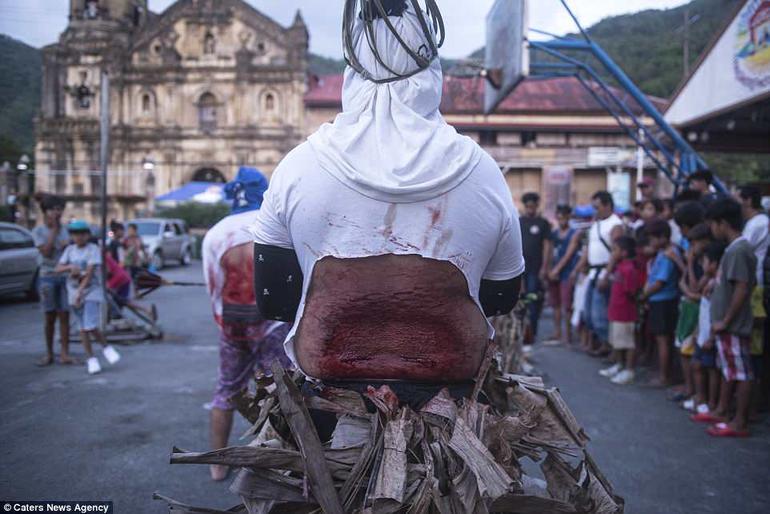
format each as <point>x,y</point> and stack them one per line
<point>669,157</point>
<point>625,82</point>
<point>690,161</point>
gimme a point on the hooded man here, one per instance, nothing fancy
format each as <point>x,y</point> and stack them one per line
<point>401,233</point>
<point>248,342</point>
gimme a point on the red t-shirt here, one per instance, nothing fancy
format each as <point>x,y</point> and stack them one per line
<point>118,277</point>
<point>626,283</point>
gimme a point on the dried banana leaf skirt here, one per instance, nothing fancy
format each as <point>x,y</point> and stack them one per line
<point>512,446</point>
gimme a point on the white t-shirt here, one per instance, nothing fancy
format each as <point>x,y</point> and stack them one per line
<point>704,321</point>
<point>474,226</point>
<point>88,255</point>
<point>232,231</point>
<point>598,253</point>
<point>756,233</point>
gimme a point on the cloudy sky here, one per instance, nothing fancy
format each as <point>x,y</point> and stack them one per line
<point>39,22</point>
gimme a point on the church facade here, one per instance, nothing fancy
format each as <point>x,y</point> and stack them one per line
<point>195,91</point>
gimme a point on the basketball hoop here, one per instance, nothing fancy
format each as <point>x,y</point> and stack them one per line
<point>507,53</point>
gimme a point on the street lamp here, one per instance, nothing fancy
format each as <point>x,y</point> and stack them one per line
<point>148,165</point>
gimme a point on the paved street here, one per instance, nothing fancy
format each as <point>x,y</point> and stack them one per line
<point>66,435</point>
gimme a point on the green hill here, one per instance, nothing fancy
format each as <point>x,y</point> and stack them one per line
<point>20,75</point>
<point>647,45</point>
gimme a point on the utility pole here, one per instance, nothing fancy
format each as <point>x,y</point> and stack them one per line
<point>639,164</point>
<point>685,28</point>
<point>686,49</point>
<point>104,155</point>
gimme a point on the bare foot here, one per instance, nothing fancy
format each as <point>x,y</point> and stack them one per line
<point>45,361</point>
<point>219,472</point>
<point>656,383</point>
<point>66,360</point>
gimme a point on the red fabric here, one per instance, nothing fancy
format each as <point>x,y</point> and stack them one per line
<point>118,277</point>
<point>626,283</point>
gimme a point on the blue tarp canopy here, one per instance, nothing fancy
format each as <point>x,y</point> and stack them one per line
<point>202,192</point>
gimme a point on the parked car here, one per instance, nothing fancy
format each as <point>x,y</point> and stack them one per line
<point>165,240</point>
<point>19,261</point>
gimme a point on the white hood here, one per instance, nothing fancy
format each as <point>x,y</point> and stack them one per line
<point>390,142</point>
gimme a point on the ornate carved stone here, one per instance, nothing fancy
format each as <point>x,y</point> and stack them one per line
<point>165,54</point>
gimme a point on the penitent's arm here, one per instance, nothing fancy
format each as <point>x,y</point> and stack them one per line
<point>277,282</point>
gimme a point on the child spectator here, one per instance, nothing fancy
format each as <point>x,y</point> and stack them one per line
<point>119,287</point>
<point>135,254</point>
<point>662,294</point>
<point>115,246</point>
<point>566,243</point>
<point>82,261</point>
<point>668,215</point>
<point>622,312</point>
<point>651,210</point>
<point>687,216</point>
<point>757,233</point>
<point>51,239</point>
<point>731,317</point>
<point>705,373</point>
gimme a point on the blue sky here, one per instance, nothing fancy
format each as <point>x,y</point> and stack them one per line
<point>39,22</point>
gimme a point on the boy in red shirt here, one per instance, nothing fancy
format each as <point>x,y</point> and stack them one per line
<point>622,313</point>
<point>119,286</point>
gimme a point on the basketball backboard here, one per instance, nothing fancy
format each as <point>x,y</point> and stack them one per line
<point>507,53</point>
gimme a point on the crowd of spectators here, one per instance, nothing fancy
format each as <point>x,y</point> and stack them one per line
<point>673,292</point>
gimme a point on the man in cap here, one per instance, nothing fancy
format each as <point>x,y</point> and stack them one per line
<point>403,232</point>
<point>248,342</point>
<point>647,188</point>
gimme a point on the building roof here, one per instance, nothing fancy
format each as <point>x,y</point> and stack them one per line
<point>561,95</point>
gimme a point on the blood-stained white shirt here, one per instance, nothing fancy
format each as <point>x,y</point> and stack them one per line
<point>232,231</point>
<point>474,226</point>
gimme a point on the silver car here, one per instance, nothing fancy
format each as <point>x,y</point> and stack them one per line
<point>165,240</point>
<point>19,261</point>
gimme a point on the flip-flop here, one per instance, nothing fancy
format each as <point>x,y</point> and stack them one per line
<point>724,430</point>
<point>706,417</point>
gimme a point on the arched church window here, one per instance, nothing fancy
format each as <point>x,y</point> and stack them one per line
<point>207,112</point>
<point>146,103</point>
<point>209,44</point>
<point>92,9</point>
<point>270,102</point>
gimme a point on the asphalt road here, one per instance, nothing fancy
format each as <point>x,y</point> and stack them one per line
<point>67,436</point>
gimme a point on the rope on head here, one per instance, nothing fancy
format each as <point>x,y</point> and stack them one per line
<point>369,12</point>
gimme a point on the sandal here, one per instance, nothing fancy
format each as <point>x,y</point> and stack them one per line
<point>706,417</point>
<point>724,430</point>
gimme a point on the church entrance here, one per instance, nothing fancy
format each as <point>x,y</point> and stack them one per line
<point>208,175</point>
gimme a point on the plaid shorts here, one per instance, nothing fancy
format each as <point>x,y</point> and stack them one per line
<point>734,357</point>
<point>244,351</point>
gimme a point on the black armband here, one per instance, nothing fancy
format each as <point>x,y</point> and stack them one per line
<point>277,282</point>
<point>499,297</point>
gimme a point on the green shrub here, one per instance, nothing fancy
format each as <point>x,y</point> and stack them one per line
<point>197,215</point>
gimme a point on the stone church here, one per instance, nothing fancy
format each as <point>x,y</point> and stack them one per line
<point>195,91</point>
